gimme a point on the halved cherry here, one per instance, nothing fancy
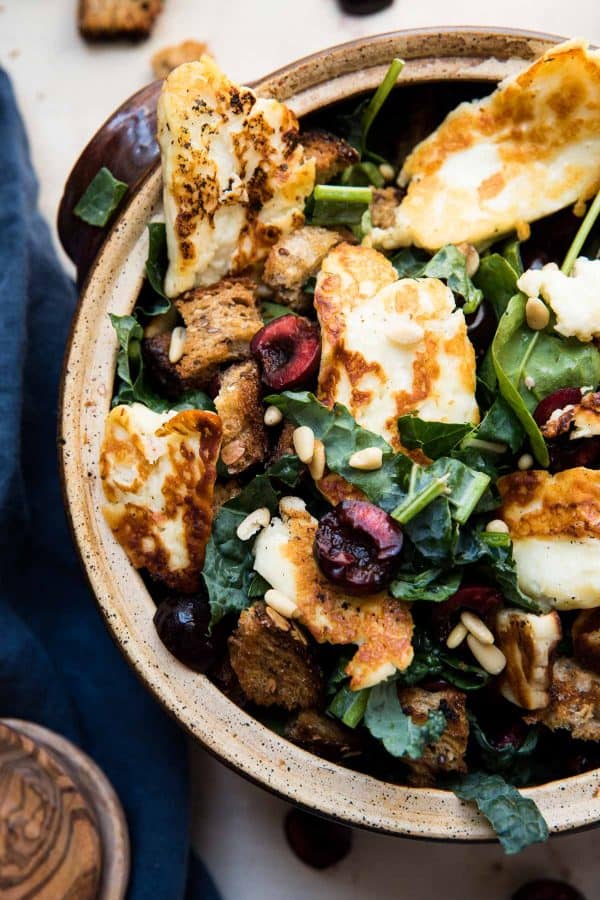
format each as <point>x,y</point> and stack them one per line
<point>289,351</point>
<point>357,546</point>
<point>566,454</point>
<point>557,400</point>
<point>481,599</point>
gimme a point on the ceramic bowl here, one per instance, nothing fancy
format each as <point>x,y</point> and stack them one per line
<point>442,67</point>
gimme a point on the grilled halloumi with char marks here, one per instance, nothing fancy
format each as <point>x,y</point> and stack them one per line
<point>391,346</point>
<point>379,624</point>
<point>523,152</point>
<point>158,473</point>
<point>529,643</point>
<point>235,175</point>
<point>554,523</point>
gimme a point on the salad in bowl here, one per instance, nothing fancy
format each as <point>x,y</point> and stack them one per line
<point>354,443</point>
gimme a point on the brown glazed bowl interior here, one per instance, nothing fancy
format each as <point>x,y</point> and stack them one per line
<point>442,67</point>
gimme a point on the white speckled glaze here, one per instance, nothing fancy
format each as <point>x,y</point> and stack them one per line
<point>224,729</point>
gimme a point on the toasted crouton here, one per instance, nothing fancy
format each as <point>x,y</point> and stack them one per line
<point>586,639</point>
<point>167,59</point>
<point>331,153</point>
<point>448,753</point>
<point>221,320</point>
<point>114,19</point>
<point>294,259</point>
<point>239,405</point>
<point>384,205</point>
<point>326,737</point>
<point>574,701</point>
<point>273,661</point>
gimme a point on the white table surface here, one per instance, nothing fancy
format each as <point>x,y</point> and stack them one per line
<point>66,89</point>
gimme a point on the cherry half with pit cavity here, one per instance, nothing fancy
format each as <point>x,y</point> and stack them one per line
<point>289,352</point>
<point>557,400</point>
<point>357,546</point>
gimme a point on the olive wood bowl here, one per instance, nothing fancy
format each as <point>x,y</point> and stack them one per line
<point>442,67</point>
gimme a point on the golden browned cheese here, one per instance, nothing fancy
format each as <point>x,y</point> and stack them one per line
<point>536,503</point>
<point>529,644</point>
<point>234,173</point>
<point>361,304</point>
<point>447,754</point>
<point>380,625</point>
<point>527,150</point>
<point>336,489</point>
<point>574,701</point>
<point>158,473</point>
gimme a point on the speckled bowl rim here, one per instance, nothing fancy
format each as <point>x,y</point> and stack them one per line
<point>226,731</point>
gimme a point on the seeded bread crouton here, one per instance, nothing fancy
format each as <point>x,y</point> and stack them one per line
<point>114,19</point>
<point>273,661</point>
<point>586,639</point>
<point>383,207</point>
<point>294,259</point>
<point>239,405</point>
<point>326,737</point>
<point>220,320</point>
<point>167,59</point>
<point>574,701</point>
<point>448,753</point>
<point>331,153</point>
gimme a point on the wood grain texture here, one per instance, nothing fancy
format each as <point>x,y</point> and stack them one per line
<point>49,841</point>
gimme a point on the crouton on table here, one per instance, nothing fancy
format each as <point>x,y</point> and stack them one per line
<point>446,755</point>
<point>114,19</point>
<point>273,661</point>
<point>167,59</point>
<point>239,405</point>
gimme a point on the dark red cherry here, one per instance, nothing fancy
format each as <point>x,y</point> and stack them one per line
<point>547,889</point>
<point>566,454</point>
<point>182,623</point>
<point>357,546</point>
<point>317,842</point>
<point>478,598</point>
<point>557,400</point>
<point>289,351</point>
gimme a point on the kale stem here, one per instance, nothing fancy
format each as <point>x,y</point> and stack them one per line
<point>582,235</point>
<point>339,193</point>
<point>380,96</point>
<point>413,505</point>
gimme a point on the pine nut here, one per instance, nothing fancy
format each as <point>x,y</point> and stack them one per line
<point>488,656</point>
<point>387,171</point>
<point>456,636</point>
<point>367,460</point>
<point>177,345</point>
<point>476,627</point>
<point>405,333</point>
<point>316,467</point>
<point>497,526</point>
<point>471,258</point>
<point>529,382</point>
<point>281,604</point>
<point>304,443</point>
<point>525,461</point>
<point>536,313</point>
<point>253,522</point>
<point>273,416</point>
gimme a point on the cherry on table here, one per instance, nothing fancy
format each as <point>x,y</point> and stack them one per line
<point>547,889</point>
<point>317,842</point>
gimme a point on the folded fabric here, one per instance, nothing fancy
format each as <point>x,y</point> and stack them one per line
<point>58,665</point>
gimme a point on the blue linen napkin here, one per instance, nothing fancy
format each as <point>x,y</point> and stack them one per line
<point>58,665</point>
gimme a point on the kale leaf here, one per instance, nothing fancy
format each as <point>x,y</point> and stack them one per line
<point>434,439</point>
<point>349,706</point>
<point>157,263</point>
<point>386,720</point>
<point>432,585</point>
<point>449,265</point>
<point>517,821</point>
<point>101,198</point>
<point>270,311</point>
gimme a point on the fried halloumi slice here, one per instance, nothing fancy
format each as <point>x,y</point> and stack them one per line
<point>554,523</point>
<point>379,624</point>
<point>529,643</point>
<point>527,150</point>
<point>158,473</point>
<point>389,346</point>
<point>235,175</point>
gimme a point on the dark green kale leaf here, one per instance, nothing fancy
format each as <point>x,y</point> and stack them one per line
<point>433,661</point>
<point>355,127</point>
<point>101,198</point>
<point>449,265</point>
<point>386,720</point>
<point>493,558</point>
<point>501,425</point>
<point>228,573</point>
<point>517,821</point>
<point>156,267</point>
<point>133,385</point>
<point>497,280</point>
<point>270,311</point>
<point>513,761</point>
<point>349,706</point>
<point>432,585</point>
<point>434,439</point>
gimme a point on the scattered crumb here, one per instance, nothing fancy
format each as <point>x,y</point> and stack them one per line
<point>13,54</point>
<point>167,59</point>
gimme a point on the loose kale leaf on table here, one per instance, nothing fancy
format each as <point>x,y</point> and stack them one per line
<point>101,198</point>
<point>517,821</point>
<point>386,720</point>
